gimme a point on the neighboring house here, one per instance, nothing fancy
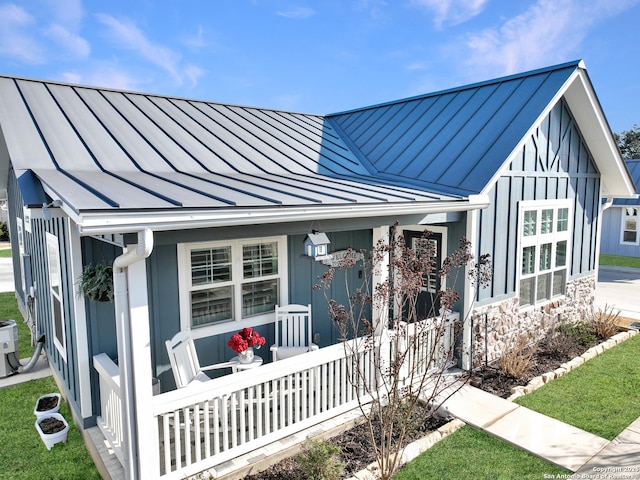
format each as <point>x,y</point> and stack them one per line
<point>621,221</point>
<point>205,207</point>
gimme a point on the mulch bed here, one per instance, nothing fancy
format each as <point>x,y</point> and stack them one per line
<point>492,380</point>
<point>357,451</point>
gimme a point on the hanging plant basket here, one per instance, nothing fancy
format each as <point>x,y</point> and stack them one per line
<point>46,404</point>
<point>96,282</point>
<point>52,428</point>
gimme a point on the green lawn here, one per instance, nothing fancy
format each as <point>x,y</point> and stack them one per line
<point>471,454</point>
<point>601,397</point>
<point>23,454</point>
<point>619,261</point>
<point>5,253</point>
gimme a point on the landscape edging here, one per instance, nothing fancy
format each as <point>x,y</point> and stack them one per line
<point>566,367</point>
<point>419,446</point>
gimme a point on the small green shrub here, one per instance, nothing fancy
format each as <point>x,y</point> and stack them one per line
<point>4,232</point>
<point>319,460</point>
<point>582,332</point>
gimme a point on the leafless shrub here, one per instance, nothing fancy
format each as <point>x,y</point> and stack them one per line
<point>382,331</point>
<point>559,344</point>
<point>605,322</point>
<point>518,360</point>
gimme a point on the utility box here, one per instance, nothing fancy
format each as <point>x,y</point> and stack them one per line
<point>8,346</point>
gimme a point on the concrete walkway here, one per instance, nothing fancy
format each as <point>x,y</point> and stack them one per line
<point>555,441</point>
<point>618,288</point>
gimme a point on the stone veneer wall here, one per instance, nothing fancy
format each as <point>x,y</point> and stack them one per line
<point>497,326</point>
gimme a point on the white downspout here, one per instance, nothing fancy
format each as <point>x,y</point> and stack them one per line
<point>123,330</point>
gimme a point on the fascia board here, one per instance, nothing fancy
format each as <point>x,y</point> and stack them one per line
<point>595,129</point>
<point>124,222</point>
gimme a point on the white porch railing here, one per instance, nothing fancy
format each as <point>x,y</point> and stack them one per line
<point>206,424</point>
<point>110,420</point>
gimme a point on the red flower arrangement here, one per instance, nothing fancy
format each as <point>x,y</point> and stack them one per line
<point>245,338</point>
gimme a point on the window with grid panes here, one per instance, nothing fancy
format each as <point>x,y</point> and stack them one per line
<point>630,225</point>
<point>544,240</point>
<point>230,281</point>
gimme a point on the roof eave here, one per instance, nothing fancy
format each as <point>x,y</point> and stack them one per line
<point>100,223</point>
<point>585,106</point>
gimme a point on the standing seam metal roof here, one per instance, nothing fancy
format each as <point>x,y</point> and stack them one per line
<point>452,141</point>
<point>102,149</point>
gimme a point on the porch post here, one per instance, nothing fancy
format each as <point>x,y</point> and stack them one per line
<point>381,313</point>
<point>469,291</point>
<point>147,430</point>
<point>80,326</point>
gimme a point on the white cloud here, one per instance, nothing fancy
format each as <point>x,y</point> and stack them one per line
<point>416,66</point>
<point>193,73</point>
<point>66,12</point>
<point>549,31</point>
<point>297,12</point>
<point>104,75</point>
<point>451,12</point>
<point>16,39</point>
<point>73,43</point>
<point>130,37</point>
<point>197,40</point>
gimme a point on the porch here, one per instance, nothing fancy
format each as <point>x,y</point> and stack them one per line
<point>245,417</point>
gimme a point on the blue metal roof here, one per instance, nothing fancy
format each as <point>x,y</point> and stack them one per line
<point>104,151</point>
<point>452,141</point>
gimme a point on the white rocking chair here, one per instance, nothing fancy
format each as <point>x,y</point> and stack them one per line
<point>293,334</point>
<point>184,361</point>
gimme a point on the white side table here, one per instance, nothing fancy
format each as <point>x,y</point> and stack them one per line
<point>236,366</point>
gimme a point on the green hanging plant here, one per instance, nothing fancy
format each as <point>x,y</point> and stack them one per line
<point>96,282</point>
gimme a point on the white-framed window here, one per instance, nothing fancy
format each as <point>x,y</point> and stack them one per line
<point>544,250</point>
<point>55,292</point>
<point>630,225</point>
<point>225,285</point>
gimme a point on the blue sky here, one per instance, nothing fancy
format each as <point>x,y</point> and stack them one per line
<point>321,56</point>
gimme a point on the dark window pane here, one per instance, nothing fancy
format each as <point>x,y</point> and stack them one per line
<point>559,282</point>
<point>259,297</point>
<point>259,260</point>
<point>526,291</point>
<point>211,306</point>
<point>210,265</point>
<point>544,287</point>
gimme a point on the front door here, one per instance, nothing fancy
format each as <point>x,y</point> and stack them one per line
<point>428,304</point>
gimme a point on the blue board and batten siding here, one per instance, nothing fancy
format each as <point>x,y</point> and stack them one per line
<point>35,245</point>
<point>554,163</point>
<point>612,233</point>
<point>614,216</point>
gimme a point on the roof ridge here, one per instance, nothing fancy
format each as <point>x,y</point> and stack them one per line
<point>149,94</point>
<point>530,73</point>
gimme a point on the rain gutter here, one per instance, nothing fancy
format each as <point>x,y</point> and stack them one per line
<point>101,223</point>
<point>125,354</point>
